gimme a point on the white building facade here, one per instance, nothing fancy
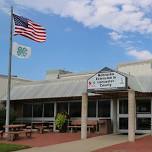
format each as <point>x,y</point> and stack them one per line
<point>129,109</point>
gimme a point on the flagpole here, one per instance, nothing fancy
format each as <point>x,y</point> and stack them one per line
<point>9,75</point>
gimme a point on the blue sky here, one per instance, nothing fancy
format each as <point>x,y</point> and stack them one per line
<point>82,35</point>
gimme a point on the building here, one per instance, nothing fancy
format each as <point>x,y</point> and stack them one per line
<point>128,106</point>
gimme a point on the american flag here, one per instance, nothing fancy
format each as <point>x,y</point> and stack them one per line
<point>29,29</point>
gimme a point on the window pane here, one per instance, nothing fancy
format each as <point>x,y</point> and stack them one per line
<point>143,106</point>
<point>49,110</point>
<point>27,110</point>
<point>123,123</point>
<point>123,107</point>
<point>143,123</point>
<point>104,108</point>
<point>92,109</point>
<point>62,107</point>
<point>75,109</point>
<point>37,110</point>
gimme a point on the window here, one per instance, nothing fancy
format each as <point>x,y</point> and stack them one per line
<point>49,110</point>
<point>123,107</point>
<point>75,109</point>
<point>104,108</point>
<point>37,110</point>
<point>143,123</point>
<point>92,109</point>
<point>143,106</point>
<point>123,123</point>
<point>27,110</point>
<point>62,107</point>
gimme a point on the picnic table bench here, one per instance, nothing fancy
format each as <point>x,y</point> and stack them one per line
<point>1,133</point>
<point>13,135</point>
<point>76,124</point>
<point>51,126</point>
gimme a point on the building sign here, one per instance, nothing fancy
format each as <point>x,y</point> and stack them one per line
<point>107,79</point>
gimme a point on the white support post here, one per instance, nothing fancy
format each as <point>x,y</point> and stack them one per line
<point>131,115</point>
<point>84,113</point>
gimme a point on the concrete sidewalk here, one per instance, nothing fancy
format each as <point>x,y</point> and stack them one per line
<point>87,145</point>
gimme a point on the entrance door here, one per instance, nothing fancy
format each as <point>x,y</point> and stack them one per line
<point>122,115</point>
<point>143,115</point>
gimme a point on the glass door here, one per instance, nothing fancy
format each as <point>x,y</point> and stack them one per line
<point>143,114</point>
<point>122,114</point>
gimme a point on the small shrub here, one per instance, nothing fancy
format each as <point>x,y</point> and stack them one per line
<point>61,121</point>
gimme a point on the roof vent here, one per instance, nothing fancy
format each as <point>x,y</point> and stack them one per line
<point>55,74</point>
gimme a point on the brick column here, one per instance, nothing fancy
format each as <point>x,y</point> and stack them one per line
<point>131,115</point>
<point>84,112</point>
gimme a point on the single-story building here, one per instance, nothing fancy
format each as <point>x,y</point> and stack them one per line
<point>123,96</point>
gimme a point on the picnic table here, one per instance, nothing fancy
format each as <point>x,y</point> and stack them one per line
<point>40,126</point>
<point>15,130</point>
<point>15,127</point>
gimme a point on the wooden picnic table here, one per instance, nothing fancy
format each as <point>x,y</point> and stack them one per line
<point>40,126</point>
<point>15,130</point>
<point>15,127</point>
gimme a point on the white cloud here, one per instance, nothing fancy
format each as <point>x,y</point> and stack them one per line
<point>117,15</point>
<point>4,6</point>
<point>115,36</point>
<point>140,55</point>
<point>68,29</point>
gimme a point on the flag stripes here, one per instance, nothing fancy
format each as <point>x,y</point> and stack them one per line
<point>18,29</point>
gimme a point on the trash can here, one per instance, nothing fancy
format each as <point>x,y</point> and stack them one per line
<point>105,126</point>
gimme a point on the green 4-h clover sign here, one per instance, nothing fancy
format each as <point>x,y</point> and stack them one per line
<point>21,51</point>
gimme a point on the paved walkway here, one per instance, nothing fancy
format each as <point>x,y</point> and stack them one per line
<point>141,145</point>
<point>87,145</point>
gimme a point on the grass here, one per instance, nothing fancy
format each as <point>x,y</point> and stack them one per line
<point>11,147</point>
